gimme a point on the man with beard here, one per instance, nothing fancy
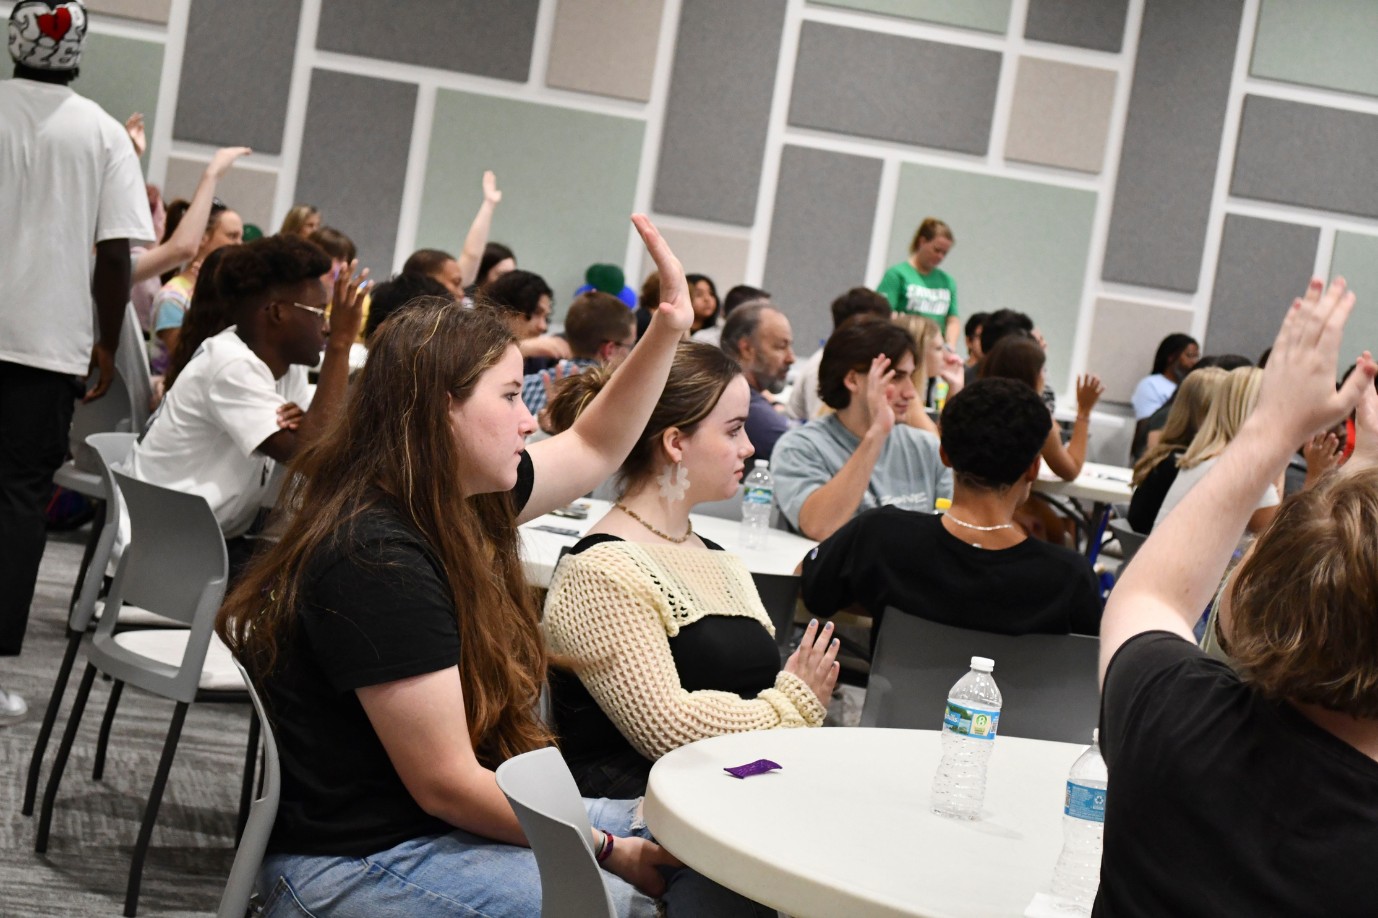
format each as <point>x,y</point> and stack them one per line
<point>758,337</point>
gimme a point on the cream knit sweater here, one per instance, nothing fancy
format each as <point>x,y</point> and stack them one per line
<point>614,607</point>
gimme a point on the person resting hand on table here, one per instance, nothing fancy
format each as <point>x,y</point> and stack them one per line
<point>395,640</point>
<point>1240,790</point>
<point>663,633</point>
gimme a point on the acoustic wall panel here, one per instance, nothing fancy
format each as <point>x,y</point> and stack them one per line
<point>719,105</point>
<point>1263,265</point>
<point>1307,155</point>
<point>820,236</point>
<point>466,36</point>
<point>248,190</point>
<point>1356,260</point>
<point>869,84</point>
<point>1318,44</point>
<point>123,75</point>
<point>1019,245</point>
<point>147,10</point>
<point>568,179</point>
<point>354,176</point>
<point>1094,24</point>
<point>719,256</point>
<point>1124,337</point>
<point>237,73</point>
<point>1171,143</point>
<point>1060,115</point>
<point>605,47</point>
<point>983,15</point>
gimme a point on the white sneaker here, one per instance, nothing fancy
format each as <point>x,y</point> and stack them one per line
<point>12,708</point>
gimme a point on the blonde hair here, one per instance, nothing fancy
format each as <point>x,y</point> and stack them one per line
<point>1231,405</point>
<point>923,330</point>
<point>296,218</point>
<point>1302,626</point>
<point>1189,406</point>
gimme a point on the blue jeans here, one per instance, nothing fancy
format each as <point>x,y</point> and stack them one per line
<point>461,874</point>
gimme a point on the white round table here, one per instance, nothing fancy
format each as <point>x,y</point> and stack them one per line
<point>844,828</point>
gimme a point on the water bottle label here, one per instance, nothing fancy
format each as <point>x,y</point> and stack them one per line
<point>1085,802</point>
<point>755,495</point>
<point>975,722</point>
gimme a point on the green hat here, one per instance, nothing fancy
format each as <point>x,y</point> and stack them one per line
<point>605,278</point>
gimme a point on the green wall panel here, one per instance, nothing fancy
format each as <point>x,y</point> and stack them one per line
<point>1356,260</point>
<point>1020,245</point>
<point>1326,43</point>
<point>984,15</point>
<point>558,219</point>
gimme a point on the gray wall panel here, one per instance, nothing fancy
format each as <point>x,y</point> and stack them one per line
<point>717,112</point>
<point>352,176</point>
<point>1263,265</point>
<point>237,73</point>
<point>1095,24</point>
<point>1172,143</point>
<point>1306,155</point>
<point>820,235</point>
<point>467,36</point>
<point>849,81</point>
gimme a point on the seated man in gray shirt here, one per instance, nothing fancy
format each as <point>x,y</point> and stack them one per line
<point>858,457</point>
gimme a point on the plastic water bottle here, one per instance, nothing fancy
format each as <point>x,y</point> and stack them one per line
<point>1077,875</point>
<point>758,496</point>
<point>970,722</point>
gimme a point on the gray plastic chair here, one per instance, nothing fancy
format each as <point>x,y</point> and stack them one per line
<point>109,449</point>
<point>1048,681</point>
<point>237,898</point>
<point>170,532</point>
<point>1130,541</point>
<point>552,814</point>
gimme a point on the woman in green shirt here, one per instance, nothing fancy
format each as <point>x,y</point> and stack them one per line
<point>918,286</point>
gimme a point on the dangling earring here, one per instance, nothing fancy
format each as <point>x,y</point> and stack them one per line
<point>674,481</point>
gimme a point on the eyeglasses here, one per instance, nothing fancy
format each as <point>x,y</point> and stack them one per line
<point>317,310</point>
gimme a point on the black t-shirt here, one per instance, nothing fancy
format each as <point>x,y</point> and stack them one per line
<point>375,607</point>
<point>725,653</point>
<point>1222,802</point>
<point>1148,497</point>
<point>892,557</point>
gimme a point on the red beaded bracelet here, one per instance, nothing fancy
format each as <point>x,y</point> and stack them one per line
<point>605,851</point>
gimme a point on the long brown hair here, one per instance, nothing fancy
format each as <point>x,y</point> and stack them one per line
<point>394,445</point>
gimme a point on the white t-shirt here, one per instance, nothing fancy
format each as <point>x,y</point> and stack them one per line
<point>204,437</point>
<point>68,179</point>
<point>1187,479</point>
<point>804,402</point>
<point>1150,394</point>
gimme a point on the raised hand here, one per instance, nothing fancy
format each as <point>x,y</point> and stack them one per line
<point>676,308</point>
<point>815,661</point>
<point>953,372</point>
<point>347,303</point>
<point>223,159</point>
<point>1298,397</point>
<point>1365,453</point>
<point>877,395</point>
<point>134,127</point>
<point>491,194</point>
<point>1089,391</point>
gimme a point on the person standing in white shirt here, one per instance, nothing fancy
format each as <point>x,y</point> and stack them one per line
<point>69,179</point>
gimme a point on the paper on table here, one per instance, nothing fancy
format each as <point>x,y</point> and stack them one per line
<point>1041,906</point>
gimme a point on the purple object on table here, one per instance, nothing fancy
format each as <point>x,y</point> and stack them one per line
<point>758,767</point>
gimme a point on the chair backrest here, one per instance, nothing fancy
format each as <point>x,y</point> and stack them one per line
<point>106,449</point>
<point>1130,541</point>
<point>175,566</point>
<point>234,901</point>
<point>1048,681</point>
<point>107,414</point>
<point>547,803</point>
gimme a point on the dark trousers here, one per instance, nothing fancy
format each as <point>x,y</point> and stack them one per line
<point>35,416</point>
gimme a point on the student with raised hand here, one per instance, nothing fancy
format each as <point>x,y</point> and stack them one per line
<point>183,244</point>
<point>1253,789</point>
<point>395,638</point>
<point>458,274</point>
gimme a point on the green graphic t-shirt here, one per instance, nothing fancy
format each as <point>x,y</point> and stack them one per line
<point>933,295</point>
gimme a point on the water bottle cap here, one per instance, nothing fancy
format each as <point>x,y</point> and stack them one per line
<point>942,503</point>
<point>982,664</point>
<point>762,464</point>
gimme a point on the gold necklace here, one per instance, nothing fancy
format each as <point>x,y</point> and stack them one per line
<point>669,538</point>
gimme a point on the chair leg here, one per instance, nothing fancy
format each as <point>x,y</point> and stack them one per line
<point>97,524</point>
<point>45,732</point>
<point>64,749</point>
<point>155,798</point>
<point>103,741</point>
<point>246,790</point>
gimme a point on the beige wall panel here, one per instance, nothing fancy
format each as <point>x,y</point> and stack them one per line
<point>720,256</point>
<point>246,190</point>
<point>1060,115</point>
<point>1124,336</point>
<point>605,47</point>
<point>147,10</point>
